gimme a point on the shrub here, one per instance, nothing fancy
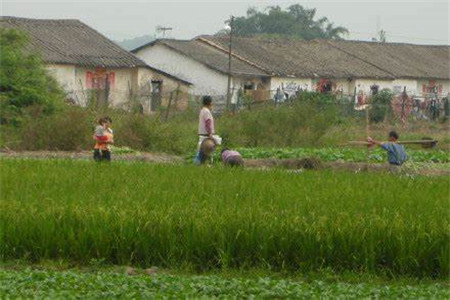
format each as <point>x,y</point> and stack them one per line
<point>298,122</point>
<point>24,81</point>
<point>381,106</point>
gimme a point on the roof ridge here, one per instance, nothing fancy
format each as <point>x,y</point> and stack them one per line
<point>23,19</point>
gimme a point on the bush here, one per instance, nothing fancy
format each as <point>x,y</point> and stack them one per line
<point>69,130</point>
<point>381,106</point>
<point>72,127</point>
<point>24,81</point>
<point>299,122</point>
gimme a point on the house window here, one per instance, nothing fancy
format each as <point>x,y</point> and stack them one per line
<point>156,94</point>
<point>249,87</point>
<point>156,86</point>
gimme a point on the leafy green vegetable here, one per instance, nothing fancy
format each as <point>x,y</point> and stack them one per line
<point>75,285</point>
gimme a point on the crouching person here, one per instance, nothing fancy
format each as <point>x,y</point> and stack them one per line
<point>204,152</point>
<point>231,158</point>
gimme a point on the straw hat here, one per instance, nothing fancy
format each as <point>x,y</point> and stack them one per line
<point>207,146</point>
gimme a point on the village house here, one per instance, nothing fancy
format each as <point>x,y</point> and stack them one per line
<point>286,65</point>
<point>345,66</point>
<point>204,66</point>
<point>89,66</point>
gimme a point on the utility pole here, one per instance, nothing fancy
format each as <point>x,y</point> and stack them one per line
<point>229,64</point>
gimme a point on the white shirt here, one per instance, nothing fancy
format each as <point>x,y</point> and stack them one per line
<point>205,115</point>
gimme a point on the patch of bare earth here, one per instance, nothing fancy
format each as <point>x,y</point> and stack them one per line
<point>314,164</point>
<point>144,156</point>
<point>269,163</point>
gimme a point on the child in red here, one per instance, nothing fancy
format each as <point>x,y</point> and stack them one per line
<point>100,138</point>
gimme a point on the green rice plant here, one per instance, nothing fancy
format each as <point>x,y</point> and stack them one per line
<point>217,218</point>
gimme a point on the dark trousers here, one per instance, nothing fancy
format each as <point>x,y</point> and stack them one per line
<point>106,155</point>
<point>102,155</point>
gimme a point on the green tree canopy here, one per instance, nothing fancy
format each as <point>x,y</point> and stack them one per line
<point>295,21</point>
<point>23,79</point>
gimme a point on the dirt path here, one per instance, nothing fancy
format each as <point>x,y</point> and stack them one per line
<point>144,156</point>
<point>289,164</point>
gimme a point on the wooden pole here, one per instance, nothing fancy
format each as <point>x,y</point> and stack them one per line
<point>367,130</point>
<point>177,93</point>
<point>419,142</point>
<point>168,106</point>
<point>228,103</point>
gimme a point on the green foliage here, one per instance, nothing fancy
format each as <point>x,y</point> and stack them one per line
<point>296,21</point>
<point>74,284</point>
<point>24,81</point>
<point>380,107</point>
<point>300,122</point>
<point>72,128</point>
<point>377,155</point>
<point>216,218</point>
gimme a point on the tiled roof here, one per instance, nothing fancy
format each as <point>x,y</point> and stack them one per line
<point>208,56</point>
<point>72,42</point>
<point>339,59</point>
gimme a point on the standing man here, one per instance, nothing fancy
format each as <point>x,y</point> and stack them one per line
<point>205,125</point>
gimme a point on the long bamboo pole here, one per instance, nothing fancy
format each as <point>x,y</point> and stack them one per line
<point>420,142</point>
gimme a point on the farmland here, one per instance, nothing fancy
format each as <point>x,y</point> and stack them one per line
<point>75,284</point>
<point>176,216</point>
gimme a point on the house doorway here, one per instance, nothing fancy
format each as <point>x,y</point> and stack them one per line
<point>156,94</point>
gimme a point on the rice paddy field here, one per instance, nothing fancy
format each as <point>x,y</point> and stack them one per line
<point>201,219</point>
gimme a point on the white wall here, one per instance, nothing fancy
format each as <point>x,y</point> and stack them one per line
<point>125,79</point>
<point>205,80</point>
<point>64,75</point>
<point>288,82</point>
<point>363,85</point>
<point>444,85</point>
<point>398,86</point>
<point>169,85</point>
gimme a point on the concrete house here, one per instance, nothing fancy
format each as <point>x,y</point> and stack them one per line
<point>265,68</point>
<point>345,66</point>
<point>86,63</point>
<point>205,66</point>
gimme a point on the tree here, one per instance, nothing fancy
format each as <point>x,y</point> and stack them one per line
<point>23,79</point>
<point>295,21</point>
<point>382,36</point>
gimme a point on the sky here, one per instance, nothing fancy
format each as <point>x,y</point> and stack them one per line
<point>418,22</point>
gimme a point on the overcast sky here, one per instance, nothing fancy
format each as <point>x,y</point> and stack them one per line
<point>420,22</point>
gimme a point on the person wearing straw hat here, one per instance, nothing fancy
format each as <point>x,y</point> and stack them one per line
<point>206,132</point>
